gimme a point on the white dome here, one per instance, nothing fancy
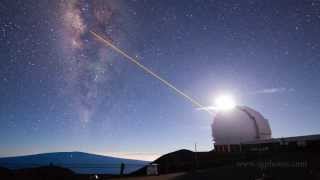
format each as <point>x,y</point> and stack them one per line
<point>239,125</point>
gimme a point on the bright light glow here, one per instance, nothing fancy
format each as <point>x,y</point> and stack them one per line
<point>225,102</point>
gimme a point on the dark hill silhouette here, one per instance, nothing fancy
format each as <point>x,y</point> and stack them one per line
<point>181,160</point>
<point>186,160</point>
<point>215,165</point>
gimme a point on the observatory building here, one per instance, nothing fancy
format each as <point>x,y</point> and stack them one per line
<point>237,126</point>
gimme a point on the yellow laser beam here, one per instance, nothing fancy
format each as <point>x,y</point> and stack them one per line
<point>147,70</point>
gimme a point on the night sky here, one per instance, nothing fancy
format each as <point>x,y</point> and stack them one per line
<point>62,90</point>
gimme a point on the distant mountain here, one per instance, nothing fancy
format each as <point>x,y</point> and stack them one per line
<point>78,162</point>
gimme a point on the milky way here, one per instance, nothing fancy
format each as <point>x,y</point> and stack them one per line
<point>87,63</point>
<point>62,90</point>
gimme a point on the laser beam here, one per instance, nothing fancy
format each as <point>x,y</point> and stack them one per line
<point>148,71</point>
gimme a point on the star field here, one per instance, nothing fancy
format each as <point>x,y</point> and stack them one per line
<point>62,90</point>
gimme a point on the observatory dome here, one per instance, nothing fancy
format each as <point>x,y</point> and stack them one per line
<point>241,124</point>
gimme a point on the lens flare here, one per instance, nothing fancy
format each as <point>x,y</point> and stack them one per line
<point>225,102</point>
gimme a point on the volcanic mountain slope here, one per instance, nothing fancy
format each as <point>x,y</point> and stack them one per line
<point>78,162</point>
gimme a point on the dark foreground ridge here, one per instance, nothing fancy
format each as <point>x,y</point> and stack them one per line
<point>297,164</point>
<point>293,165</point>
<point>47,172</point>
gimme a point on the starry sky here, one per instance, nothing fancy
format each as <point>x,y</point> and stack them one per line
<point>62,90</point>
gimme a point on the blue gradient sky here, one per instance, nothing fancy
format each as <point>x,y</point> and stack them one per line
<point>61,90</point>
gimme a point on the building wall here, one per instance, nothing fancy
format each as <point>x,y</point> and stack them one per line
<point>283,145</point>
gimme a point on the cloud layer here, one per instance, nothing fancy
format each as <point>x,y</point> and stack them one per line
<point>274,90</point>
